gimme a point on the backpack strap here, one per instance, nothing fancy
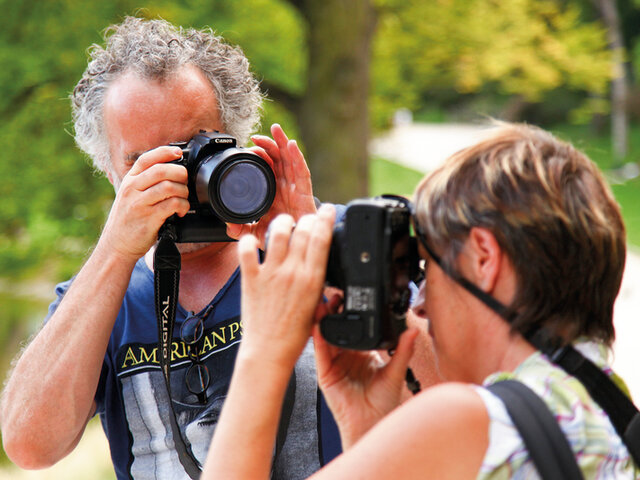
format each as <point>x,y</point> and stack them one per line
<point>545,441</point>
<point>621,411</point>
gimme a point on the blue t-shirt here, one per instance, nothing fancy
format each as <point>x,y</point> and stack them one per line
<point>132,399</point>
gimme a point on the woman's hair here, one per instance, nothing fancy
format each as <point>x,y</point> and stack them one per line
<point>550,210</point>
<point>154,50</point>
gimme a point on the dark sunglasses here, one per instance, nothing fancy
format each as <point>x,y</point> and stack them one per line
<point>197,377</point>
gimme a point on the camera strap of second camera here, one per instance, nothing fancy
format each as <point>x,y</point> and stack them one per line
<point>166,267</point>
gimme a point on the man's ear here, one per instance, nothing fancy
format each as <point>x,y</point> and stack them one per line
<point>485,254</point>
<point>113,179</point>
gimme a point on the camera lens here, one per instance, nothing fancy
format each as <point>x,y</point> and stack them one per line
<point>238,185</point>
<point>243,188</point>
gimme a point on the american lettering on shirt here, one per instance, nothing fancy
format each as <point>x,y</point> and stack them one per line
<point>134,357</point>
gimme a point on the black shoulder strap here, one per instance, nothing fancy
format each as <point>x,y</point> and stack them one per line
<point>621,411</point>
<point>545,441</point>
<point>166,283</point>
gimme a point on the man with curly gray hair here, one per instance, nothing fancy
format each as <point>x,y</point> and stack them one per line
<point>153,84</point>
<point>155,50</point>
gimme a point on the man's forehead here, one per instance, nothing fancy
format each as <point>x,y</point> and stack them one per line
<point>132,90</point>
<point>145,113</point>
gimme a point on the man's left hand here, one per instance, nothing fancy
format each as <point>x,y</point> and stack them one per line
<point>294,194</point>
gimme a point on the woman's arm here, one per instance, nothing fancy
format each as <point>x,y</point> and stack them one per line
<point>442,433</point>
<point>279,299</point>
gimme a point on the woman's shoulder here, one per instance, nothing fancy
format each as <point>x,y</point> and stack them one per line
<point>442,431</point>
<point>453,413</point>
<point>599,450</point>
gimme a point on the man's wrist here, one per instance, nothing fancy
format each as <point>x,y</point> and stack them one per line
<point>108,252</point>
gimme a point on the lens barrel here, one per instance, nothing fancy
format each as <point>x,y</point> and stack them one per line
<point>237,184</point>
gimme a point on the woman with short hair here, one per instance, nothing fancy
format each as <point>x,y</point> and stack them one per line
<point>521,236</point>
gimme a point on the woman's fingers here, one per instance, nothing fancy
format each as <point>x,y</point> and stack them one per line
<point>320,239</point>
<point>278,242</point>
<point>248,255</point>
<point>397,366</point>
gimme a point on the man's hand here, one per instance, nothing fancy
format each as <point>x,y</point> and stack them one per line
<point>149,193</point>
<point>294,194</point>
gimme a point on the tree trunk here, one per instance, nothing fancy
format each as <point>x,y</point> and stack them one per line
<point>619,121</point>
<point>332,113</point>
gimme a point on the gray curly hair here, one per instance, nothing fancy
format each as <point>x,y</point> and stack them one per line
<point>155,49</point>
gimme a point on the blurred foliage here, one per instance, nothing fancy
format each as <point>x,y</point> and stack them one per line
<point>421,50</point>
<point>520,47</point>
<point>598,148</point>
<point>57,205</point>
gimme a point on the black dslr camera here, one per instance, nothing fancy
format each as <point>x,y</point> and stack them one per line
<point>226,184</point>
<point>373,258</point>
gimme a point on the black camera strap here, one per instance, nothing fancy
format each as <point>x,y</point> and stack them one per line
<point>618,406</point>
<point>166,267</point>
<point>621,411</point>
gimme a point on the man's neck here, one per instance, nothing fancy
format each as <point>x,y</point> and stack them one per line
<point>204,272</point>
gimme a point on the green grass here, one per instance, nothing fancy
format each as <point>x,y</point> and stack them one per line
<point>628,196</point>
<point>389,177</point>
<point>598,148</point>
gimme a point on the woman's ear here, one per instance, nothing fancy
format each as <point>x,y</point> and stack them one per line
<point>485,256</point>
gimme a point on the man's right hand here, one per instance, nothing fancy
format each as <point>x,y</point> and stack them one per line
<point>149,193</point>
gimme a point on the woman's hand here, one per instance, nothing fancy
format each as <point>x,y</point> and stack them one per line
<point>280,295</point>
<point>279,298</point>
<point>359,386</point>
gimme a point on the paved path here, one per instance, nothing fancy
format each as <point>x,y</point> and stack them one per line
<point>424,146</point>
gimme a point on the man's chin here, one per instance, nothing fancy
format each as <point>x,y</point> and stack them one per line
<point>184,248</point>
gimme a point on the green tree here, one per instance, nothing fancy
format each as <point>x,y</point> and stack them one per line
<point>520,48</point>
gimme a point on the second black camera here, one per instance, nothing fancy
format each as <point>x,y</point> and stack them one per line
<point>373,259</point>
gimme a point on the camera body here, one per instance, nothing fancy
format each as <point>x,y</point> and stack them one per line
<point>226,184</point>
<point>373,258</point>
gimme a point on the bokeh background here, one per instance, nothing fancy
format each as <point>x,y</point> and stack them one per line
<point>339,75</point>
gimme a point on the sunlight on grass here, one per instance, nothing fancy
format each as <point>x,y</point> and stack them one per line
<point>389,177</point>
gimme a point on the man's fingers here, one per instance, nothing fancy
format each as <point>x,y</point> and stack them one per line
<point>157,155</point>
<point>279,136</point>
<point>158,173</point>
<point>237,230</point>
<point>166,189</point>
<point>268,145</point>
<point>278,242</point>
<point>298,163</point>
<point>260,151</point>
